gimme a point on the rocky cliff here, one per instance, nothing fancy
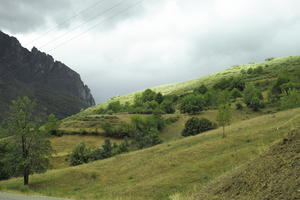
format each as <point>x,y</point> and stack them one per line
<point>57,88</point>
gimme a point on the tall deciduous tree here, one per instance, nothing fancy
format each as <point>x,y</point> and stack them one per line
<point>32,148</point>
<point>224,116</point>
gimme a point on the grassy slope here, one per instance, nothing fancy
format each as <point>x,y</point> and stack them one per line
<point>64,145</point>
<point>273,175</point>
<point>160,171</point>
<point>271,69</point>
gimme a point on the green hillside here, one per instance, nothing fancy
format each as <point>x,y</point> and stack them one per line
<point>161,171</point>
<point>272,69</point>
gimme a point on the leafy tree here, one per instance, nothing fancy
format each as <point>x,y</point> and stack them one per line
<point>79,155</point>
<point>235,93</point>
<point>159,98</point>
<point>32,147</point>
<point>52,125</point>
<point>258,70</point>
<point>253,98</point>
<point>239,105</point>
<point>250,71</point>
<point>148,95</point>
<point>192,104</point>
<point>115,106</point>
<point>6,160</point>
<point>196,126</point>
<point>202,89</point>
<point>107,149</point>
<point>168,106</point>
<point>290,100</point>
<point>224,116</point>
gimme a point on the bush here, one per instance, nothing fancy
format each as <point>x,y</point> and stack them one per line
<point>172,120</point>
<point>168,106</point>
<point>235,93</point>
<point>253,98</point>
<point>290,100</point>
<point>192,104</point>
<point>202,89</point>
<point>79,155</point>
<point>196,126</point>
<point>239,105</point>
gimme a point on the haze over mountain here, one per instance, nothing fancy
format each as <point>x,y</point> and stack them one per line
<point>56,87</point>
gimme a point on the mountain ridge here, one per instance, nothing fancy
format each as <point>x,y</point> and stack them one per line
<point>37,75</point>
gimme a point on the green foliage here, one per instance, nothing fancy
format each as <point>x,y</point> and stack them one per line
<point>202,89</point>
<point>172,120</point>
<point>192,104</point>
<point>107,149</point>
<point>148,95</point>
<point>250,71</point>
<point>230,83</point>
<point>258,70</point>
<point>79,155</point>
<point>253,98</point>
<point>239,105</point>
<point>196,126</point>
<point>146,131</point>
<point>159,98</point>
<point>235,93</point>
<point>121,130</point>
<point>32,147</point>
<point>52,125</point>
<point>115,106</point>
<point>168,106</point>
<point>6,160</point>
<point>290,100</point>
<point>224,116</point>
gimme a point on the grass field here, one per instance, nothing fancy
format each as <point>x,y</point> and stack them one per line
<point>174,167</point>
<point>64,145</point>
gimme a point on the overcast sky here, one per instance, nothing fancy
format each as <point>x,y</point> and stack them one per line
<point>120,46</point>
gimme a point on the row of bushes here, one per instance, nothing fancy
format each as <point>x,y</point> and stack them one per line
<point>82,154</point>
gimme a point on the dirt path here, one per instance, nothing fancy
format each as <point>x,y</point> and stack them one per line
<point>7,196</point>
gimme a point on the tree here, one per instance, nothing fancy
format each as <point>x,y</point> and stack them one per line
<point>159,98</point>
<point>202,89</point>
<point>168,106</point>
<point>52,125</point>
<point>253,98</point>
<point>196,126</point>
<point>148,95</point>
<point>224,116</point>
<point>107,149</point>
<point>290,100</point>
<point>192,104</point>
<point>6,160</point>
<point>32,147</point>
<point>79,155</point>
<point>115,106</point>
<point>235,93</point>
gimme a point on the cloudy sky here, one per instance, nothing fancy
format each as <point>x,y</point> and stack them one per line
<point>120,46</point>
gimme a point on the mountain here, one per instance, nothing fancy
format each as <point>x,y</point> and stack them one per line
<point>57,88</point>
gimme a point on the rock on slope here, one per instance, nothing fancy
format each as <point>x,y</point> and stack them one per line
<point>56,87</point>
<point>274,175</point>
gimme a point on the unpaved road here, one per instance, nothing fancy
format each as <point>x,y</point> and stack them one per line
<point>7,196</point>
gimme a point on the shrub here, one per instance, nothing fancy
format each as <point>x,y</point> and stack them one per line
<point>168,106</point>
<point>196,126</point>
<point>250,71</point>
<point>172,120</point>
<point>290,100</point>
<point>192,104</point>
<point>253,98</point>
<point>202,89</point>
<point>235,93</point>
<point>239,105</point>
<point>79,155</point>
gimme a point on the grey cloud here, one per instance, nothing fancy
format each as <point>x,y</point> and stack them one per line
<point>24,16</point>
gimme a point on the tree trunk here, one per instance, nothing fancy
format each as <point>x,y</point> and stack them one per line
<point>224,132</point>
<point>26,177</point>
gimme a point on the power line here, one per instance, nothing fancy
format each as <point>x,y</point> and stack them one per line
<point>65,21</point>
<point>123,11</point>
<point>82,24</point>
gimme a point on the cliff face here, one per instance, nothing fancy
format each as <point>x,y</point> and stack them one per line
<point>56,87</point>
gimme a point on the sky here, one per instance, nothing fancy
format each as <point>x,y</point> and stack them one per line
<point>121,46</point>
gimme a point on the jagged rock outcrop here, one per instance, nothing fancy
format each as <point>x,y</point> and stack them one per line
<point>56,87</point>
